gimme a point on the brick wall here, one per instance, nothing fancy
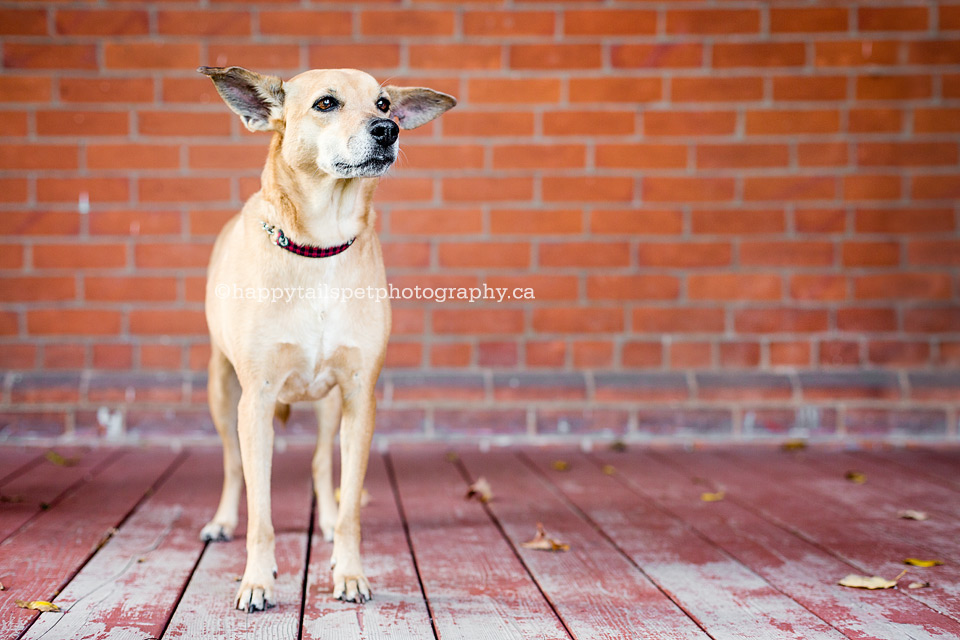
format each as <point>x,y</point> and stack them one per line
<point>739,218</point>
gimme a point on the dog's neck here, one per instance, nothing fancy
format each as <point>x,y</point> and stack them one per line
<point>315,209</point>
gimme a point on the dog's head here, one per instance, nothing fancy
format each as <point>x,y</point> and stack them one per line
<point>336,121</point>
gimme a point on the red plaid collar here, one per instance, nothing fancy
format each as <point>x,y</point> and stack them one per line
<point>305,250</point>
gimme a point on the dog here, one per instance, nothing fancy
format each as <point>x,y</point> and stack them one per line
<point>335,132</point>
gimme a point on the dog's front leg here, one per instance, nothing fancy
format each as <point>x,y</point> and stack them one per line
<point>356,433</point>
<point>255,423</point>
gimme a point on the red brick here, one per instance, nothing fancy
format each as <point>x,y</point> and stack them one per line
<point>63,356</point>
<point>18,356</point>
<point>906,154</point>
<point>306,23</point>
<point>949,354</point>
<point>944,187</point>
<point>210,23</point>
<point>871,254</point>
<point>11,256</point>
<point>951,85</point>
<point>407,254</point>
<point>855,53</point>
<point>133,156</point>
<point>637,221</point>
<point>820,220</point>
<point>562,287</point>
<point>897,353</point>
<point>936,320</point>
<point>592,354</point>
<point>936,120</point>
<point>641,156</point>
<point>455,56</point>
<point>780,320</point>
<point>596,90</point>
<point>593,22</point>
<point>183,123</point>
<point>893,87</point>
<point>839,353</point>
<point>689,123</point>
<point>789,188</point>
<point>73,322</point>
<point>934,252</point>
<point>812,88</point>
<point>79,256</point>
<point>716,89</point>
<point>477,321</point>
<point>578,320</point>
<point>875,120</point>
<point>435,221</point>
<point>739,354</point>
<point>407,23</point>
<point>904,220</point>
<point>734,286</point>
<point>943,52</point>
<point>556,56</point>
<point>535,221</point>
<point>866,319</point>
<point>642,287</point>
<point>184,189</point>
<point>544,353</point>
<point>259,56</point>
<point>112,356</point>
<point>792,121</point>
<point>24,89</point>
<point>181,255</point>
<point>713,21</point>
<point>892,19</point>
<point>903,286</point>
<point>82,123</point>
<point>137,55</point>
<point>361,56</point>
<point>397,189</point>
<point>487,123</point>
<point>34,156</point>
<point>871,187</point>
<point>404,354</point>
<point>451,354</point>
<point>227,156</point>
<point>14,124</point>
<point>121,90</point>
<point>101,22</point>
<point>684,255</point>
<point>49,56</point>
<point>584,254</point>
<point>738,221</point>
<point>672,55</point>
<point>484,189</point>
<point>23,22</point>
<point>641,355</point>
<point>13,190</point>
<point>791,253</point>
<point>590,189</point>
<point>120,289</point>
<point>431,156</point>
<point>508,23</point>
<point>789,354</point>
<point>167,322</point>
<point>484,254</point>
<point>41,223</point>
<point>808,19</point>
<point>497,354</point>
<point>71,189</point>
<point>687,189</point>
<point>588,123</point>
<point>32,288</point>
<point>510,90</point>
<point>690,355</point>
<point>736,156</point>
<point>825,154</point>
<point>530,156</point>
<point>758,54</point>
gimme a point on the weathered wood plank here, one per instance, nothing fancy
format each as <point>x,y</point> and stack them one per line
<point>795,566</point>
<point>725,597</point>
<point>129,588</point>
<point>15,459</point>
<point>799,498</point>
<point>39,486</point>
<point>41,557</point>
<point>589,584</point>
<point>476,586</point>
<point>943,466</point>
<point>398,610</point>
<point>206,609</point>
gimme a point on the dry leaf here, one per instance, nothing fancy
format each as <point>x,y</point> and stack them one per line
<point>364,496</point>
<point>59,460</point>
<point>11,499</point>
<point>855,477</point>
<point>794,445</point>
<point>713,497</point>
<point>451,456</point>
<point>2,587</point>
<point>560,465</point>
<point>609,469</point>
<point>37,605</point>
<point>872,582</point>
<point>910,514</point>
<point>543,542</point>
<point>480,490</point>
<point>918,585</point>
<point>916,562</point>
<point>618,446</point>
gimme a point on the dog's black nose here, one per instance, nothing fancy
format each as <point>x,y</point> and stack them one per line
<point>384,131</point>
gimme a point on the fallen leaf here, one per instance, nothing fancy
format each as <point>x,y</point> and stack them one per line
<point>480,490</point>
<point>855,477</point>
<point>451,456</point>
<point>618,446</point>
<point>37,605</point>
<point>560,465</point>
<point>794,445</point>
<point>916,562</point>
<point>59,460</point>
<point>2,587</point>
<point>918,585</point>
<point>910,514</point>
<point>713,497</point>
<point>870,582</point>
<point>11,499</point>
<point>609,469</point>
<point>543,542</point>
<point>364,496</point>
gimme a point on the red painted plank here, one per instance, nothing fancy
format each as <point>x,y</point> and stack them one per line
<point>37,560</point>
<point>589,584</point>
<point>725,597</point>
<point>14,460</point>
<point>942,465</point>
<point>129,588</point>
<point>474,583</point>
<point>207,607</point>
<point>398,610</point>
<point>32,492</point>
<point>802,498</point>
<point>795,566</point>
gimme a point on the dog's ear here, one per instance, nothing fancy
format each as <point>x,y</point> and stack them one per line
<point>415,106</point>
<point>257,99</point>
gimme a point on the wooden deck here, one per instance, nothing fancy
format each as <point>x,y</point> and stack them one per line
<point>111,536</point>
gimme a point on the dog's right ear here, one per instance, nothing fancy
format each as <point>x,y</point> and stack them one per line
<point>257,99</point>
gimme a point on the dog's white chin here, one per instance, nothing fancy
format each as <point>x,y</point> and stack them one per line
<point>371,168</point>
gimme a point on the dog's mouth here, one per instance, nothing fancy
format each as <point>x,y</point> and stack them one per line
<point>369,168</point>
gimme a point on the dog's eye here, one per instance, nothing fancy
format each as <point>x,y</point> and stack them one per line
<point>383,104</point>
<point>326,103</point>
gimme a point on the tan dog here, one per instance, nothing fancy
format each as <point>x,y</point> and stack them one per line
<point>333,137</point>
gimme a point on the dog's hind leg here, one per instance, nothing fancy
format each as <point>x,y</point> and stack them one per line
<point>328,423</point>
<point>223,393</point>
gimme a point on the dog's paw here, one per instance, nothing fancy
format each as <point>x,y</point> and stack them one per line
<point>351,588</point>
<point>216,532</point>
<point>255,595</point>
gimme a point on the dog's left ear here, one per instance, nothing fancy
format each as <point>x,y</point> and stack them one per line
<point>257,99</point>
<point>415,106</point>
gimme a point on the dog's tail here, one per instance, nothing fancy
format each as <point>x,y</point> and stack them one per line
<point>282,412</point>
